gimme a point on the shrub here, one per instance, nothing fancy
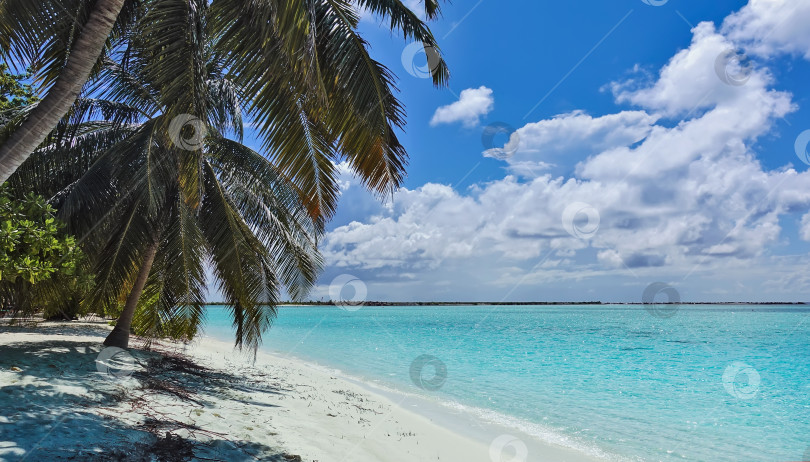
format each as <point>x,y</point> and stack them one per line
<point>41,266</point>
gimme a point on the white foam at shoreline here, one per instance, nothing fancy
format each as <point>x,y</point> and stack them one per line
<point>451,408</point>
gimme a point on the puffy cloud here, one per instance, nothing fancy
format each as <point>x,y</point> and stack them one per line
<point>768,26</point>
<point>473,103</point>
<point>710,72</point>
<point>578,132</point>
<point>670,199</point>
<point>568,138</point>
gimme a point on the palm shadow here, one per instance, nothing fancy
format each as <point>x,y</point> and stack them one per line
<point>52,395</point>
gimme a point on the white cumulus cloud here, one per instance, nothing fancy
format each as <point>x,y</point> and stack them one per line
<point>693,80</point>
<point>473,103</point>
<point>768,26</point>
<point>569,138</point>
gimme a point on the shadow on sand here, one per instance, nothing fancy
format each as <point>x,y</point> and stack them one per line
<point>56,405</point>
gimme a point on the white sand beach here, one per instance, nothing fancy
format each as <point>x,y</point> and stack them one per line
<point>206,401</point>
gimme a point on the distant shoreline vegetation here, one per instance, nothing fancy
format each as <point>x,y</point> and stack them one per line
<point>379,303</point>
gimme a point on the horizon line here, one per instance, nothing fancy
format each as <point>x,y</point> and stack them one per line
<point>456,303</point>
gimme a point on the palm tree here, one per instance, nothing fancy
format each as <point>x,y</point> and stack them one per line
<point>266,42</point>
<point>305,79</point>
<point>153,214</point>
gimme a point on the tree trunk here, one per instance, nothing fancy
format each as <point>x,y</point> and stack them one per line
<point>119,337</point>
<point>43,119</point>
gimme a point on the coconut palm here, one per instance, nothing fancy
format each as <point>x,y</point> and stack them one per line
<point>304,78</point>
<point>267,43</point>
<point>155,206</point>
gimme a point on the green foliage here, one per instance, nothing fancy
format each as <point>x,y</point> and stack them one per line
<point>16,100</point>
<point>13,93</point>
<point>32,245</point>
<point>38,260</point>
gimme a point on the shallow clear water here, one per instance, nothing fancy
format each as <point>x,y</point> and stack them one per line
<point>714,383</point>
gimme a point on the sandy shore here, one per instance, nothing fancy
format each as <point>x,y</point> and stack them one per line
<point>205,401</point>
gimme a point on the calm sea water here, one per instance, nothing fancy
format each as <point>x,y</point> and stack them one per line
<point>709,383</point>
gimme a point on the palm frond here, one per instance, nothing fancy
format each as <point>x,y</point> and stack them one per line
<point>52,169</point>
<point>270,205</point>
<point>401,18</point>
<point>170,46</point>
<point>240,264</point>
<point>364,110</point>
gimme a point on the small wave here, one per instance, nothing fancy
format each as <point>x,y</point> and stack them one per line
<point>539,432</point>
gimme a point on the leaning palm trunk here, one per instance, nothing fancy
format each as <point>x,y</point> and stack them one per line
<point>44,118</point>
<point>119,337</point>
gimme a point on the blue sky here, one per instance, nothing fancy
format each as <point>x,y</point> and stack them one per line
<point>652,143</point>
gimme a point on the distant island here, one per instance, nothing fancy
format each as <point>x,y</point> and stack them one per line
<point>381,303</point>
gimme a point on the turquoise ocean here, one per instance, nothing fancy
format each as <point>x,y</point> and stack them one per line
<point>700,383</point>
